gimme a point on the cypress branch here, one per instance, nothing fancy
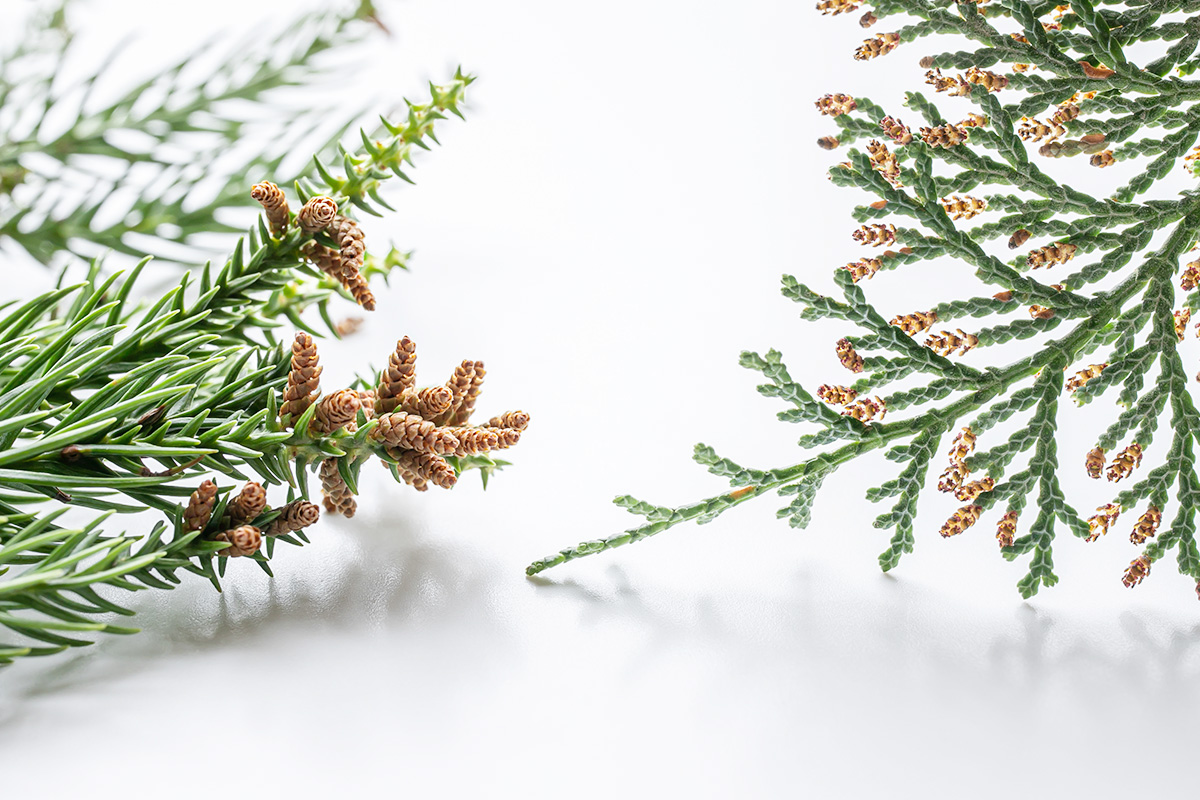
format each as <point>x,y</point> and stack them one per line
<point>1028,58</point>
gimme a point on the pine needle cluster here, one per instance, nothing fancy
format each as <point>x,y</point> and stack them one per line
<point>1041,81</point>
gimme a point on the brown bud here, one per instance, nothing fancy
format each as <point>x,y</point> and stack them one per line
<point>1040,312</point>
<point>828,143</point>
<point>1095,462</point>
<point>1096,73</point>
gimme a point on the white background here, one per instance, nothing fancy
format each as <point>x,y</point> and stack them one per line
<point>607,231</point>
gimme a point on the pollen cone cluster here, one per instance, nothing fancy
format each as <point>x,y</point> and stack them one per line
<point>1081,378</point>
<point>1006,530</point>
<point>960,520</point>
<point>1125,462</point>
<point>1098,525</point>
<point>425,430</point>
<point>1048,256</point>
<point>947,343</point>
<point>952,479</point>
<point>944,136</point>
<point>234,528</point>
<point>319,215</point>
<point>836,395</point>
<point>914,323</point>
<point>1137,571</point>
<point>834,105</point>
<point>881,45</point>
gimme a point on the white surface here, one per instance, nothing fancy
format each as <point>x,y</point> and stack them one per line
<point>607,231</point>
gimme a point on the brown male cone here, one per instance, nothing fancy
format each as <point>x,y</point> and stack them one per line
<point>304,379</point>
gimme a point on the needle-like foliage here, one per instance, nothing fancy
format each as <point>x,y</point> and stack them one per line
<point>1039,82</point>
<point>151,168</point>
<point>115,400</point>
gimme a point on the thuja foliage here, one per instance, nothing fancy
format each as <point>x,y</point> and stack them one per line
<point>1036,82</point>
<point>186,404</point>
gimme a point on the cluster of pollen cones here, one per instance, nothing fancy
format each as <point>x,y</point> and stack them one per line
<point>234,524</point>
<point>417,428</point>
<point>319,215</point>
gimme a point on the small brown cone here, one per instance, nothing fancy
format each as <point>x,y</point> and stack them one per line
<point>304,379</point>
<point>275,205</point>
<point>517,420</point>
<point>338,497</point>
<point>467,407</point>
<point>243,540</point>
<point>426,403</point>
<point>429,467</point>
<point>473,441</point>
<point>200,507</point>
<point>249,503</point>
<point>400,374</point>
<point>410,432</point>
<point>335,411</point>
<point>316,214</point>
<point>295,516</point>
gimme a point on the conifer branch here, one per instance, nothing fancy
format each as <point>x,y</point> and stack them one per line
<point>117,401</point>
<point>1046,82</point>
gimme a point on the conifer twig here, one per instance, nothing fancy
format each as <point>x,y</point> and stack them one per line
<point>1070,65</point>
